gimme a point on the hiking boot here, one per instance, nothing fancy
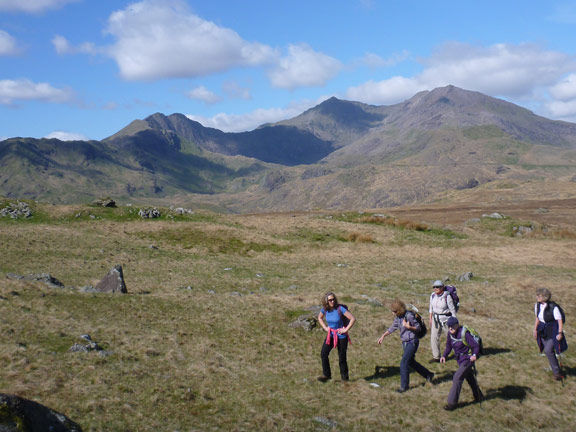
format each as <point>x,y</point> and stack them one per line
<point>401,390</point>
<point>430,377</point>
<point>479,398</point>
<point>558,377</point>
<point>450,407</point>
<point>323,378</point>
<point>434,360</point>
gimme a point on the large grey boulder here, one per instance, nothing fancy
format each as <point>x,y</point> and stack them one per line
<point>18,414</point>
<point>113,282</point>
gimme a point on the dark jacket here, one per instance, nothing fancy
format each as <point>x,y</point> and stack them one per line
<point>461,351</point>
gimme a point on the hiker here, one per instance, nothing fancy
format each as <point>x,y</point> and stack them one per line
<point>339,321</point>
<point>406,322</point>
<point>441,308</point>
<point>549,329</point>
<point>466,350</point>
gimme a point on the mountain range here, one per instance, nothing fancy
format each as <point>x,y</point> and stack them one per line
<point>337,155</point>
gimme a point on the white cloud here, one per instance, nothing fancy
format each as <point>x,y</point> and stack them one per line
<point>251,120</point>
<point>303,67</point>
<point>565,89</point>
<point>67,136</point>
<point>163,39</point>
<point>62,46</point>
<point>23,89</point>
<point>514,71</point>
<point>201,93</point>
<point>375,61</point>
<point>32,6</point>
<point>7,44</point>
<point>236,91</point>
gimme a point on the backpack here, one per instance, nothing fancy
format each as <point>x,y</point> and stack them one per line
<point>344,318</point>
<point>549,312</point>
<point>454,294</point>
<point>423,329</point>
<point>475,335</point>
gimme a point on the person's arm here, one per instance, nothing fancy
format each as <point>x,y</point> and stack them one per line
<point>557,314</point>
<point>447,350</point>
<point>351,322</point>
<point>322,323</point>
<point>381,338</point>
<point>474,346</point>
<point>412,326</point>
<point>536,324</point>
<point>450,304</point>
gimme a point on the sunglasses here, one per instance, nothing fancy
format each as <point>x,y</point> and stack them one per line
<point>331,299</point>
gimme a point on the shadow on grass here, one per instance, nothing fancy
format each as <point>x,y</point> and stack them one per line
<point>381,372</point>
<point>493,351</point>
<point>568,371</point>
<point>518,393</point>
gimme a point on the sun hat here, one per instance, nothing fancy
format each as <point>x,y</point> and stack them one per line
<point>438,283</point>
<point>452,322</point>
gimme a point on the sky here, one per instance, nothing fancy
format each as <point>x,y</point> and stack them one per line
<point>84,69</point>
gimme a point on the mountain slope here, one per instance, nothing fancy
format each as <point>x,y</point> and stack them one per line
<point>339,154</point>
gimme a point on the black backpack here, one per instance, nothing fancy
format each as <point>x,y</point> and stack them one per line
<point>423,328</point>
<point>345,319</point>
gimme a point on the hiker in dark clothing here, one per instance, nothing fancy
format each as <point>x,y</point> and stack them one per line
<point>406,322</point>
<point>339,321</point>
<point>549,329</point>
<point>466,352</point>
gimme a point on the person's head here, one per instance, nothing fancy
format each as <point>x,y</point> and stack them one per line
<point>453,324</point>
<point>398,307</point>
<point>329,301</point>
<point>438,286</point>
<point>543,295</point>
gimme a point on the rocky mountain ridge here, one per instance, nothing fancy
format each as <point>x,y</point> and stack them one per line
<point>339,154</point>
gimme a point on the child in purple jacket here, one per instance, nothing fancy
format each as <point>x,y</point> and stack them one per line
<point>466,355</point>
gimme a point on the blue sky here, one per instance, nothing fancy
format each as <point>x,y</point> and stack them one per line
<point>84,69</point>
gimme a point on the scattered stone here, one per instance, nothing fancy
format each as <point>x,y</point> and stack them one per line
<point>542,210</point>
<point>466,277</point>
<point>259,275</point>
<point>495,215</point>
<point>104,202</point>
<point>19,414</point>
<point>153,247</point>
<point>325,421</point>
<point>149,213</point>
<point>113,282</point>
<point>520,231</point>
<point>16,210</point>
<point>87,289</point>
<point>374,385</point>
<point>46,278</point>
<point>236,293</point>
<point>473,221</point>
<point>180,210</point>
<point>293,287</point>
<point>342,265</point>
<point>306,322</point>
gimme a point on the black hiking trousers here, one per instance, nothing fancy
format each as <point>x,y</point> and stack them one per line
<point>342,361</point>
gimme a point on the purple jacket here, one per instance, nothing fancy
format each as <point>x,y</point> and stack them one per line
<point>461,351</point>
<point>405,334</point>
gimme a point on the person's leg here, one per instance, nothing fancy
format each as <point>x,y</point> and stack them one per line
<point>473,383</point>
<point>326,371</point>
<point>407,357</point>
<point>457,382</point>
<point>549,351</point>
<point>342,361</point>
<point>435,340</point>
<point>417,366</point>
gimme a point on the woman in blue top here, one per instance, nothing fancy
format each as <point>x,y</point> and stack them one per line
<point>335,316</point>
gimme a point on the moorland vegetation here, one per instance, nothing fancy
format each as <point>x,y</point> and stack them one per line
<point>203,339</point>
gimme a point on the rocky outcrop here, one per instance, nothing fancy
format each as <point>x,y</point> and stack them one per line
<point>113,282</point>
<point>18,414</point>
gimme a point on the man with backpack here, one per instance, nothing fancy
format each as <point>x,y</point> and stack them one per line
<point>549,329</point>
<point>410,332</point>
<point>443,305</point>
<point>466,347</point>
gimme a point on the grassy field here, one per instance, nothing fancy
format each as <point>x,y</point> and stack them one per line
<point>202,341</point>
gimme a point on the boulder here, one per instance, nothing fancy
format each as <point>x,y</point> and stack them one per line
<point>113,282</point>
<point>104,202</point>
<point>18,414</point>
<point>466,277</point>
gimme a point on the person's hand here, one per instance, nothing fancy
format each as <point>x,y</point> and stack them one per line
<point>559,336</point>
<point>442,359</point>
<point>342,330</point>
<point>535,334</point>
<point>473,358</point>
<point>405,323</point>
<point>380,339</point>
